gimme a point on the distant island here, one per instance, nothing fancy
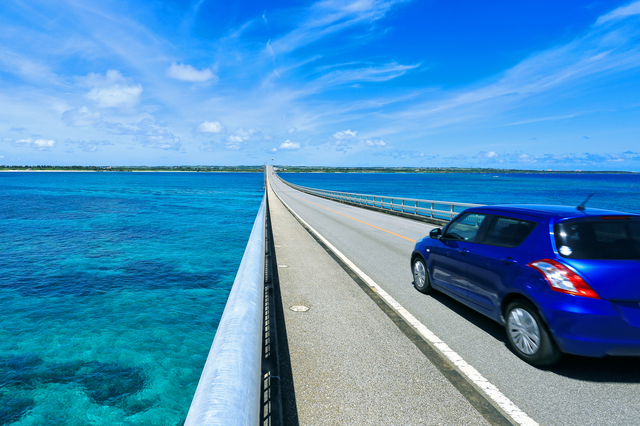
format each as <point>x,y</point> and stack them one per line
<point>297,169</point>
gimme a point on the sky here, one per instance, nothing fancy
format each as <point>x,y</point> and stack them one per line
<point>541,85</point>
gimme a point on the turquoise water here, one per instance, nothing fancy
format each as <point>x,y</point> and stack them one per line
<point>111,289</point>
<point>112,284</point>
<point>611,191</point>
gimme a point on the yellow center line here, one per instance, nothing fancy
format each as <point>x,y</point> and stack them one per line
<point>353,218</point>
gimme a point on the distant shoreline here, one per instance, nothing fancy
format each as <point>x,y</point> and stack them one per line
<point>296,169</point>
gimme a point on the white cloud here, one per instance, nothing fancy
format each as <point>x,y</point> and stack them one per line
<point>375,143</point>
<point>112,90</point>
<point>404,155</point>
<point>211,127</point>
<point>188,73</point>
<point>488,155</point>
<point>115,96</point>
<point>237,140</point>
<point>240,135</point>
<point>292,130</point>
<point>38,144</point>
<point>345,135</point>
<point>80,117</point>
<point>233,146</point>
<point>288,145</point>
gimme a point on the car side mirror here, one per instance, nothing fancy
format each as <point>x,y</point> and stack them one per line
<point>435,233</point>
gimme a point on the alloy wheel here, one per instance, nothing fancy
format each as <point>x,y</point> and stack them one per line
<point>524,331</point>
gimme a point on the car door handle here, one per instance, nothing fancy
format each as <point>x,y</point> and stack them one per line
<point>510,261</point>
<point>463,251</point>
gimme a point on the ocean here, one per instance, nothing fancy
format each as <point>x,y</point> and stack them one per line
<point>111,289</point>
<point>112,284</point>
<point>611,191</point>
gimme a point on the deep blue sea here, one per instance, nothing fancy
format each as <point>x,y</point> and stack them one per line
<point>112,284</point>
<point>611,191</point>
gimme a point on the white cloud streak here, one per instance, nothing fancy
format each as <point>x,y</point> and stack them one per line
<point>327,17</point>
<point>621,12</point>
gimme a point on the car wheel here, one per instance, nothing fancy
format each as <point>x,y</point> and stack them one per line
<point>528,336</point>
<point>421,277</point>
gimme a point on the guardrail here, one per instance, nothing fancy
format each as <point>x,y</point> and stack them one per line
<point>229,389</point>
<point>430,210</point>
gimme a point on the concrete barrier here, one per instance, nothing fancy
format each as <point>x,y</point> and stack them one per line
<point>228,392</point>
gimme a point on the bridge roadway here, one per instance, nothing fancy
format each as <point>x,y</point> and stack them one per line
<point>352,365</point>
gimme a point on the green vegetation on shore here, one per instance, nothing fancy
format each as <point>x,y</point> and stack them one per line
<point>294,169</point>
<point>313,169</point>
<point>259,168</point>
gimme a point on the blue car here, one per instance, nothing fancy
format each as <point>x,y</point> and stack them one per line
<point>561,279</point>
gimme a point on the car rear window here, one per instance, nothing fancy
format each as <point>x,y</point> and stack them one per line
<point>607,238</point>
<point>507,231</point>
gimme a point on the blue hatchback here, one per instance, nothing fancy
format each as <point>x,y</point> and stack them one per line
<point>561,279</point>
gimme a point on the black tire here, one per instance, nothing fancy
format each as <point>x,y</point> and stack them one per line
<point>421,279</point>
<point>528,336</point>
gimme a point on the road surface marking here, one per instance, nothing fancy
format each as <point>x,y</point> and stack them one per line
<point>473,375</point>
<point>357,220</point>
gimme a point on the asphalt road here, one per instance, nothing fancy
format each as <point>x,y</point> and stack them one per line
<point>577,391</point>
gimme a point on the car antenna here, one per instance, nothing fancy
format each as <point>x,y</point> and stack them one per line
<point>581,206</point>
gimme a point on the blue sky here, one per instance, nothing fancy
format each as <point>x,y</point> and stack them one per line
<point>527,85</point>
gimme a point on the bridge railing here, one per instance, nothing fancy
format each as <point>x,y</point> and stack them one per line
<point>439,211</point>
<point>229,389</point>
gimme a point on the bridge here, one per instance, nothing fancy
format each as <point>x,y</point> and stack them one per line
<point>357,344</point>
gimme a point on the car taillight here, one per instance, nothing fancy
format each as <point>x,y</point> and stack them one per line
<point>615,217</point>
<point>563,279</point>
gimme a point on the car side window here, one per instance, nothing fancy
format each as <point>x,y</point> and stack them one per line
<point>507,231</point>
<point>464,228</point>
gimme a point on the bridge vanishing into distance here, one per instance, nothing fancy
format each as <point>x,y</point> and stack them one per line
<point>346,339</point>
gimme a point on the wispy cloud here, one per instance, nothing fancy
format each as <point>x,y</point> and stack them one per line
<point>88,146</point>
<point>603,51</point>
<point>147,132</point>
<point>327,17</point>
<point>511,159</point>
<point>99,72</point>
<point>621,12</point>
<point>188,73</point>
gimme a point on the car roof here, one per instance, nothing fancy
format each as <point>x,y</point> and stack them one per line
<point>543,210</point>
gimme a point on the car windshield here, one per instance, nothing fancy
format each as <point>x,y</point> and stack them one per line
<point>607,238</point>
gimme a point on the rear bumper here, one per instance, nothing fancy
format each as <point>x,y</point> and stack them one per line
<point>595,327</point>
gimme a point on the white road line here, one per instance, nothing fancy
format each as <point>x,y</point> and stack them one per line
<point>492,392</point>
